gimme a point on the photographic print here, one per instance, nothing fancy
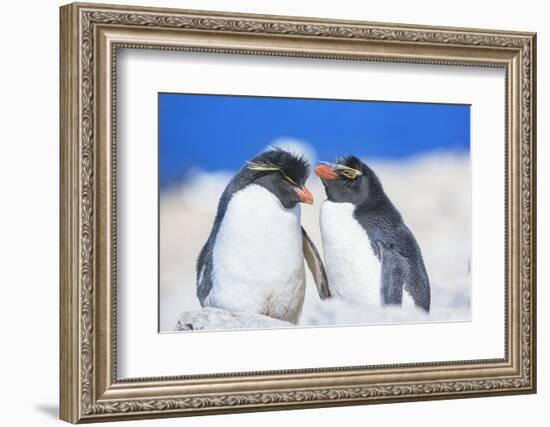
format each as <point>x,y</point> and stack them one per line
<point>291,212</point>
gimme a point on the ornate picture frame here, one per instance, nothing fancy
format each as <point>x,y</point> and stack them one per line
<point>90,37</point>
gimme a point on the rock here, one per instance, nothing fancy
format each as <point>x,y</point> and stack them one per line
<point>210,318</point>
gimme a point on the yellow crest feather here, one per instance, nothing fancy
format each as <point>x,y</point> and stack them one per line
<point>262,166</point>
<point>267,167</point>
<point>347,171</point>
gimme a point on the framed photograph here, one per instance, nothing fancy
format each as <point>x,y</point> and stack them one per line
<point>266,212</point>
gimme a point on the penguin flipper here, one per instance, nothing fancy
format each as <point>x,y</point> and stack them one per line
<point>400,271</point>
<point>316,266</point>
<point>204,272</point>
<point>393,276</point>
<point>418,286</point>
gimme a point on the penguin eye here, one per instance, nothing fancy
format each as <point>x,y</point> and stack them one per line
<point>349,173</point>
<point>289,179</point>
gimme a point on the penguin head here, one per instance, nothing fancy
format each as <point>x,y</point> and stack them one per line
<point>349,180</point>
<point>282,173</point>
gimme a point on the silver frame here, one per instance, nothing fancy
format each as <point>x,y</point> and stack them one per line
<point>90,37</point>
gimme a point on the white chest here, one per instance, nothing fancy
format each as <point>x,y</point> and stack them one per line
<point>352,267</point>
<point>258,261</point>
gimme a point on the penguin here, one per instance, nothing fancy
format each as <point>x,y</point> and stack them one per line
<point>371,256</point>
<point>253,260</point>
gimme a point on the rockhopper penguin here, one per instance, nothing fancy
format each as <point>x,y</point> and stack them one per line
<point>253,260</point>
<point>371,256</point>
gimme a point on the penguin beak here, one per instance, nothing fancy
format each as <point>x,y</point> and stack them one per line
<point>325,172</point>
<point>304,195</point>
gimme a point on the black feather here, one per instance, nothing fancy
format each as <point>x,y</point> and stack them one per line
<point>351,161</point>
<point>293,165</point>
<point>393,243</point>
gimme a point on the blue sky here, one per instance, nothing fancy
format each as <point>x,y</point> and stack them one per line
<point>216,133</point>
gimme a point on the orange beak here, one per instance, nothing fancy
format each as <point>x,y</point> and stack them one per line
<point>304,195</point>
<point>325,172</point>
